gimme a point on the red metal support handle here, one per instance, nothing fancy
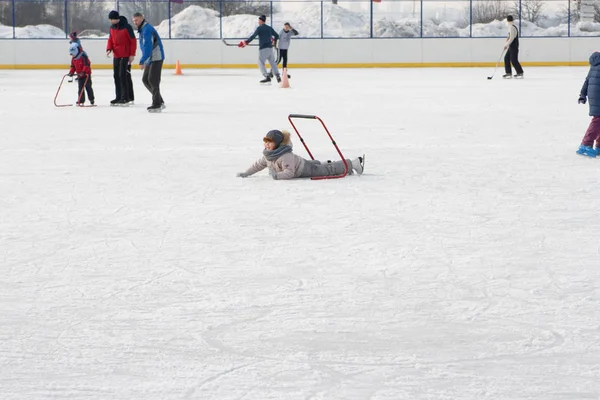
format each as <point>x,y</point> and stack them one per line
<point>292,116</point>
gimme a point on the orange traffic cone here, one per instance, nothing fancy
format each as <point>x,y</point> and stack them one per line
<point>178,68</point>
<point>285,83</point>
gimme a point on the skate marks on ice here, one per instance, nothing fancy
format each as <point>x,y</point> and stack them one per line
<point>327,349</point>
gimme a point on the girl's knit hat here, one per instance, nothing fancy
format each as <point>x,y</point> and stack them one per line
<point>274,136</point>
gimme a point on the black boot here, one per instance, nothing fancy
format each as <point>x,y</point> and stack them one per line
<point>266,80</point>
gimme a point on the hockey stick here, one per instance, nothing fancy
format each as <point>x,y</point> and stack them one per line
<point>236,45</point>
<point>497,62</point>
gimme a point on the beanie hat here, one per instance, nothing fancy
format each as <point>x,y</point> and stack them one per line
<point>262,18</point>
<point>274,136</point>
<point>509,18</point>
<point>73,35</point>
<point>113,15</point>
<point>74,49</point>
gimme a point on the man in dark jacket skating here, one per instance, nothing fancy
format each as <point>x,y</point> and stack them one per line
<point>122,44</point>
<point>266,37</point>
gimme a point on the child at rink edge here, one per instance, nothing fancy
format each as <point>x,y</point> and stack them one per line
<point>285,38</point>
<point>591,91</point>
<point>73,38</point>
<point>283,164</point>
<point>80,64</point>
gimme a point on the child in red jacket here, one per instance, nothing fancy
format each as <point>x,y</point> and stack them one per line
<point>80,64</point>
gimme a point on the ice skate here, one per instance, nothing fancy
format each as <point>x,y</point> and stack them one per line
<point>587,151</point>
<point>266,80</point>
<point>155,108</point>
<point>507,76</point>
<point>519,76</point>
<point>358,164</point>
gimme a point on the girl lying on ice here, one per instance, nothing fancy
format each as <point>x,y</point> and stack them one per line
<point>283,164</point>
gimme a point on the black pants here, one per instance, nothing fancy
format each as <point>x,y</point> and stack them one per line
<point>123,82</point>
<point>129,83</point>
<point>282,57</point>
<point>88,88</point>
<point>512,57</point>
<point>151,80</point>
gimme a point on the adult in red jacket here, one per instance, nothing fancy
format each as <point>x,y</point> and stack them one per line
<point>122,43</point>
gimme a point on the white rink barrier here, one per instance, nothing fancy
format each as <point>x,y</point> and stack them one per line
<point>317,53</point>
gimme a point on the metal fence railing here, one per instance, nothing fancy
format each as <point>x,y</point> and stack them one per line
<point>176,19</point>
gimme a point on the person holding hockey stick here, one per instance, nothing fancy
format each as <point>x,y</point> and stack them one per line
<point>512,50</point>
<point>151,62</point>
<point>80,64</point>
<point>284,164</point>
<point>266,38</point>
<point>122,44</point>
<point>591,90</point>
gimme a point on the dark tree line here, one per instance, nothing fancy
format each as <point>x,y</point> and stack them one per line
<point>92,15</point>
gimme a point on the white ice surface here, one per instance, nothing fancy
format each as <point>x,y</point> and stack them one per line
<point>464,263</point>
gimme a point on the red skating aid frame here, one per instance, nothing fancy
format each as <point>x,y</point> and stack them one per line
<point>78,98</point>
<point>292,116</point>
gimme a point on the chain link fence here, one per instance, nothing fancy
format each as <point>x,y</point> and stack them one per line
<point>55,19</point>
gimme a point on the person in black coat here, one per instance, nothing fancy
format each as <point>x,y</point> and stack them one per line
<point>591,91</point>
<point>512,50</point>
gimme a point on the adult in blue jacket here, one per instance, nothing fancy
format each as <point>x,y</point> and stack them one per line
<point>151,62</point>
<point>591,91</point>
<point>266,37</point>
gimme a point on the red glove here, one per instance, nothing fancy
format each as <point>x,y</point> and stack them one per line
<point>243,43</point>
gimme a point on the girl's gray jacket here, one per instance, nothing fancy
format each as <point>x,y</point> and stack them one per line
<point>288,166</point>
<point>285,38</point>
